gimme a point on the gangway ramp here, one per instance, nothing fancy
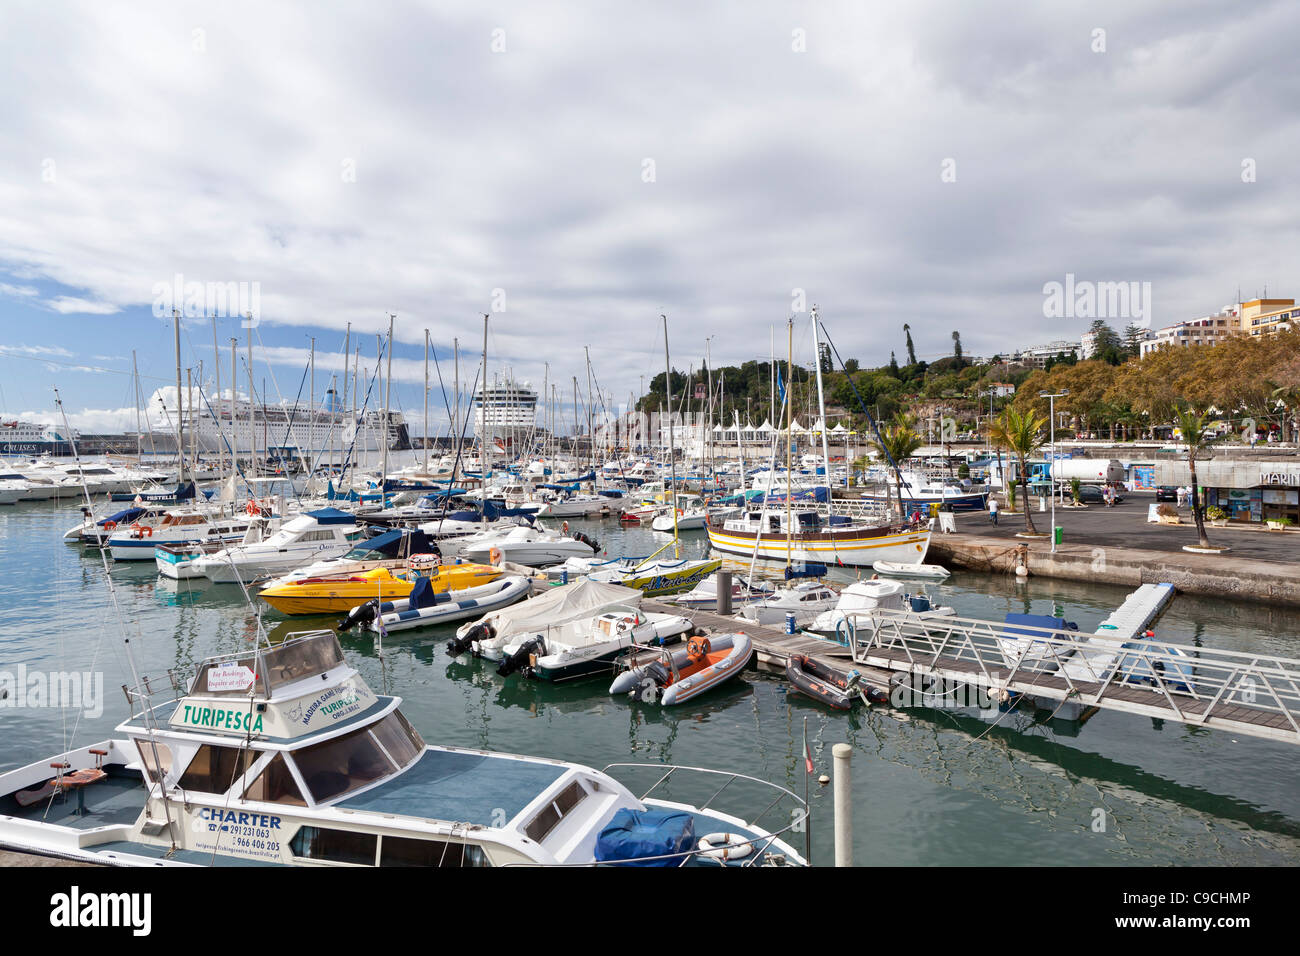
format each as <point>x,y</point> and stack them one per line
<point>1253,694</point>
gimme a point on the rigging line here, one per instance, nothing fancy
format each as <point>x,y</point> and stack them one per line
<point>870,418</point>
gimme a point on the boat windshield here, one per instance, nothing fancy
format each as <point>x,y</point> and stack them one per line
<point>339,766</point>
<point>291,661</point>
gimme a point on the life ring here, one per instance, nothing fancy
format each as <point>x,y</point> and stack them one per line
<point>109,525</point>
<point>252,508</point>
<point>726,846</point>
<point>146,531</point>
<point>494,556</point>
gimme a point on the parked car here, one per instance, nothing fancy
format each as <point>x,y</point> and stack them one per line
<point>1166,493</point>
<point>1091,494</point>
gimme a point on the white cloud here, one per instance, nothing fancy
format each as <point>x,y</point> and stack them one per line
<point>18,291</point>
<point>71,305</point>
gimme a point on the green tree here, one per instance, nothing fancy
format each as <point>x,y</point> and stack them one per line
<point>897,443</point>
<point>956,348</point>
<point>1020,433</point>
<point>911,352</point>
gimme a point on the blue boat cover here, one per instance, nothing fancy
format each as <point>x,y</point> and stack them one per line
<point>634,834</point>
<point>421,595</point>
<point>123,517</point>
<point>332,516</point>
<point>805,571</point>
<point>390,543</point>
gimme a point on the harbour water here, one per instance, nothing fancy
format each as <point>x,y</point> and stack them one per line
<point>930,786</point>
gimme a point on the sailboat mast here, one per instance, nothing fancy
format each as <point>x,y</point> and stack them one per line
<point>821,402</point>
<point>388,394</point>
<point>180,442</point>
<point>234,435</point>
<point>135,373</point>
<point>252,406</point>
<point>789,435</point>
<point>482,418</point>
<point>347,354</point>
<point>455,345</point>
<point>672,456</point>
<point>426,401</point>
<point>216,364</point>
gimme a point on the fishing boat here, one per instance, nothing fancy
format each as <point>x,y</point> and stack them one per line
<point>555,607</point>
<point>313,536</point>
<point>283,756</point>
<point>425,607</point>
<point>813,535</point>
<point>677,676</point>
<point>928,572</point>
<point>343,591</point>
<point>176,561</point>
<point>581,648</point>
<point>837,689</point>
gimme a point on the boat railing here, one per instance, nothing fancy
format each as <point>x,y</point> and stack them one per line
<point>797,813</point>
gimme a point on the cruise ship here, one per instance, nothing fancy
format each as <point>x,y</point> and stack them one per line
<point>506,410</point>
<point>286,426</point>
<point>32,438</point>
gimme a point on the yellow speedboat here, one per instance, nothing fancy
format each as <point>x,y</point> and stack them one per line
<point>330,593</point>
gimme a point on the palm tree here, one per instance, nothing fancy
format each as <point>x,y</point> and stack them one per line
<point>1193,431</point>
<point>897,443</point>
<point>1020,434</point>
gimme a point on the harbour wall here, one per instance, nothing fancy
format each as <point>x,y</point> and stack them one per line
<point>1219,575</point>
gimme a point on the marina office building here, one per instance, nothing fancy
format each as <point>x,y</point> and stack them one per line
<point>1254,490</point>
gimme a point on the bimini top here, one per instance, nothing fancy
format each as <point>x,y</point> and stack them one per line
<point>332,516</point>
<point>392,544</point>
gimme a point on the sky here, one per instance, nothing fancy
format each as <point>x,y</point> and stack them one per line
<point>577,170</point>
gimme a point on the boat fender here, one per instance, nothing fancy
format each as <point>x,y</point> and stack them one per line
<point>360,615</point>
<point>479,632</point>
<point>726,846</point>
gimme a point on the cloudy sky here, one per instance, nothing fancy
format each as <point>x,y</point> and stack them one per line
<point>577,169</point>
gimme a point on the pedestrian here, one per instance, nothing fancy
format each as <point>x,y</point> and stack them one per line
<point>1179,493</point>
<point>993,509</point>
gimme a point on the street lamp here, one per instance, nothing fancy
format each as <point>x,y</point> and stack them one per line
<point>1051,414</point>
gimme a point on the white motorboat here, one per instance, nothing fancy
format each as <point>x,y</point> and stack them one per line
<point>314,536</point>
<point>426,607</point>
<point>805,600</point>
<point>179,526</point>
<point>533,547</point>
<point>558,606</point>
<point>587,646</point>
<point>927,572</point>
<point>854,611</point>
<point>704,596</point>
<point>284,756</point>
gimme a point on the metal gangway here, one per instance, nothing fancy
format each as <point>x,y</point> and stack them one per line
<point>1246,693</point>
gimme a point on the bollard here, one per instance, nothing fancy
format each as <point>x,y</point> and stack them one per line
<point>843,755</point>
<point>724,592</point>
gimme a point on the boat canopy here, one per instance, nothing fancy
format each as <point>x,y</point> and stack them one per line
<point>123,517</point>
<point>561,605</point>
<point>391,544</point>
<point>332,516</point>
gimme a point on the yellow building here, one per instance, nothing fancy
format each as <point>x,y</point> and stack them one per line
<point>1266,316</point>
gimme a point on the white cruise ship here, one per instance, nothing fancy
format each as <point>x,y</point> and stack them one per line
<point>296,427</point>
<point>505,409</point>
<point>33,438</point>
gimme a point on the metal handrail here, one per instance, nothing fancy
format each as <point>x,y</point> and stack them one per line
<point>1090,665</point>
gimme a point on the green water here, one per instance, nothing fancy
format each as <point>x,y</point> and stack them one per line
<point>930,786</point>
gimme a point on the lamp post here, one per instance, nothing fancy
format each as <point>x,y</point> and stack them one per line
<point>1051,476</point>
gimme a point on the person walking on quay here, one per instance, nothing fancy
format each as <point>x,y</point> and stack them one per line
<point>993,509</point>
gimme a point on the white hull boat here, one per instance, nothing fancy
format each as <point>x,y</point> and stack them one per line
<point>585,647</point>
<point>426,608</point>
<point>926,572</point>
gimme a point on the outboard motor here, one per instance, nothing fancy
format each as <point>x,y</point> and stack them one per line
<point>479,632</point>
<point>519,659</point>
<point>579,536</point>
<point>360,615</point>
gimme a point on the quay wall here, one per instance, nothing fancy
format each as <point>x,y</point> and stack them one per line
<point>1219,575</point>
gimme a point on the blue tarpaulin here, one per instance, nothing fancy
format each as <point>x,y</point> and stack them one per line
<point>635,834</point>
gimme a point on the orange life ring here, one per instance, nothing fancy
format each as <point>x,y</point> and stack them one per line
<point>494,556</point>
<point>109,525</point>
<point>146,531</point>
<point>252,508</point>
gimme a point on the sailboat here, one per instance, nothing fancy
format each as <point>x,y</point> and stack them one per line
<point>852,534</point>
